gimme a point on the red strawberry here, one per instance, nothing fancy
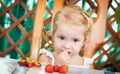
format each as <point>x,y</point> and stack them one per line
<point>63,69</point>
<point>55,68</point>
<point>30,64</point>
<point>49,68</point>
<point>25,63</point>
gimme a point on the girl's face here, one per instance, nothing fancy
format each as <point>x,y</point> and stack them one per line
<point>68,38</point>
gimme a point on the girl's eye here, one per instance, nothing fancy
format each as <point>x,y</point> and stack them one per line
<point>61,37</point>
<point>76,40</point>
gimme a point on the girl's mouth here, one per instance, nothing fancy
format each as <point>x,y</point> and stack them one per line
<point>69,52</point>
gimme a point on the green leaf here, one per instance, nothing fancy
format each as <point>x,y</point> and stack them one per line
<point>117,15</point>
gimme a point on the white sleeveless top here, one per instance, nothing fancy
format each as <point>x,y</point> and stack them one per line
<point>87,61</point>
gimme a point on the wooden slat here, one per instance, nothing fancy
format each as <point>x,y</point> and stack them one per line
<point>47,40</point>
<point>49,11</point>
<point>116,54</point>
<point>8,8</point>
<point>15,44</point>
<point>111,59</point>
<point>71,2</point>
<point>58,4</point>
<point>117,2</point>
<point>92,4</point>
<point>98,30</point>
<point>112,7</point>
<point>105,50</point>
<point>47,21</point>
<point>107,41</point>
<point>37,31</point>
<point>12,42</point>
<point>24,6</point>
<point>17,22</point>
<point>115,36</point>
<point>102,65</point>
<point>14,19</point>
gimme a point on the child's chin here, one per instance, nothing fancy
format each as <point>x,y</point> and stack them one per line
<point>70,55</point>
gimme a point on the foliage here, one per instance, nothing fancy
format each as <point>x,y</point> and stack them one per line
<point>117,15</point>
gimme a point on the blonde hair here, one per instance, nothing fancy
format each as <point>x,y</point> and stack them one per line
<point>76,16</point>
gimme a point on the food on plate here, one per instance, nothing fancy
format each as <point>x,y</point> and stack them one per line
<point>49,68</point>
<point>63,69</point>
<point>29,62</point>
<point>55,68</point>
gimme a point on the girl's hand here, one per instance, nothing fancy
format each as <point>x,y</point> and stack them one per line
<point>62,58</point>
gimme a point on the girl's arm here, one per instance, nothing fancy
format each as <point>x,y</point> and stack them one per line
<point>44,59</point>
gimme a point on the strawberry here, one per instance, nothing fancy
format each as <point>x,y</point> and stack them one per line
<point>55,68</point>
<point>49,68</point>
<point>63,69</point>
<point>29,64</point>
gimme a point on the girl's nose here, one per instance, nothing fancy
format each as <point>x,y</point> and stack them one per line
<point>67,45</point>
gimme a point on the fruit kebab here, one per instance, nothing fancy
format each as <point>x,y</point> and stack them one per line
<point>29,62</point>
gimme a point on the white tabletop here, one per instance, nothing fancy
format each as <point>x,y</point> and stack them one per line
<point>71,70</point>
<point>10,66</point>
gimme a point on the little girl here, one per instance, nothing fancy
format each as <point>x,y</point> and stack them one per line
<point>71,31</point>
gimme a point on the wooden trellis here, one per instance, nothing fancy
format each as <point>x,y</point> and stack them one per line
<point>27,35</point>
<point>16,23</point>
<point>111,59</point>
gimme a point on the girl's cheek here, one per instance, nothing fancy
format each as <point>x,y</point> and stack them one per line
<point>76,50</point>
<point>58,49</point>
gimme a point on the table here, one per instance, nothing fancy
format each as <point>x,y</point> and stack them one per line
<point>10,66</point>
